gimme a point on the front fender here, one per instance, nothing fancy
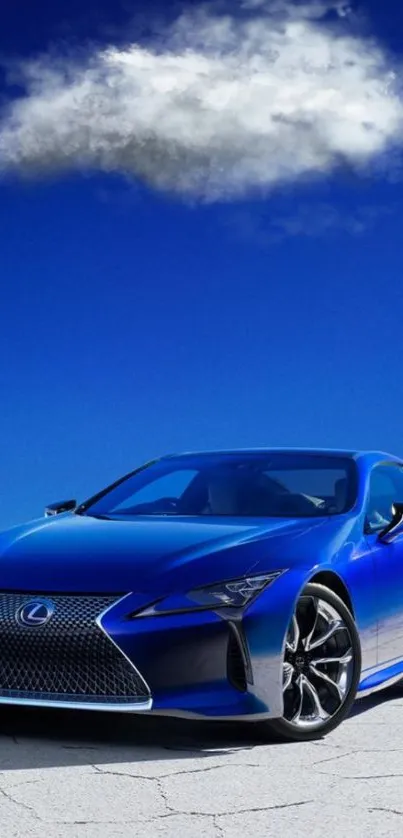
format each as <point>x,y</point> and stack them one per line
<point>266,625</point>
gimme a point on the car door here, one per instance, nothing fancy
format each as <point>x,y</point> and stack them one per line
<point>385,489</point>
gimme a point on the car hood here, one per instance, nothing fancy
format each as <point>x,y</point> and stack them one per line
<point>160,554</point>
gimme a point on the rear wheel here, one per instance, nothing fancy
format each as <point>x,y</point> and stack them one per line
<point>321,667</point>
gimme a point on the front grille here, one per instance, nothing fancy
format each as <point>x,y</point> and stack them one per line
<point>69,659</point>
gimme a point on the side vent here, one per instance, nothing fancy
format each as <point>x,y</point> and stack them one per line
<point>235,662</point>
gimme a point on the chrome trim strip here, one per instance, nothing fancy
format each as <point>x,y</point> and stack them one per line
<point>76,705</point>
<point>100,626</point>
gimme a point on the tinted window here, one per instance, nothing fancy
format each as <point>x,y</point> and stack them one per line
<point>323,483</point>
<point>169,486</point>
<point>386,488</point>
<point>247,485</point>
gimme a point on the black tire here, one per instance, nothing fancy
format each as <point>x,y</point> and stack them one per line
<point>286,730</point>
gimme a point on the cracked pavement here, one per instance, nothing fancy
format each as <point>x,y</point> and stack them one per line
<point>84,775</point>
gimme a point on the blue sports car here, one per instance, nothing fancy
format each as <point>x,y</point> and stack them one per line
<point>261,585</point>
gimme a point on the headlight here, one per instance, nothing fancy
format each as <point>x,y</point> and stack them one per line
<point>237,593</point>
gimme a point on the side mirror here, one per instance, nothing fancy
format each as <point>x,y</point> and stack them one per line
<point>61,506</point>
<point>395,527</point>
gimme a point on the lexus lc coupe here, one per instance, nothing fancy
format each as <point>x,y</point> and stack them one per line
<point>261,585</point>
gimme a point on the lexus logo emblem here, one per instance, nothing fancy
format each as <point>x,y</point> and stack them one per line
<point>35,614</point>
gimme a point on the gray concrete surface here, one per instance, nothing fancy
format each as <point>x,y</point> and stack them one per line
<point>90,775</point>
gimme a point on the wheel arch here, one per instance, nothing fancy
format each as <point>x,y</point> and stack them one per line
<point>332,581</point>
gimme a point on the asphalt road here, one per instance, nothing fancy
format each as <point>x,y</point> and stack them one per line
<point>89,775</point>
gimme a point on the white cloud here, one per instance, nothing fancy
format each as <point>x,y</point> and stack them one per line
<point>218,105</point>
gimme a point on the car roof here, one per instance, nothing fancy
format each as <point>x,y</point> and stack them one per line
<point>261,450</point>
<point>369,456</point>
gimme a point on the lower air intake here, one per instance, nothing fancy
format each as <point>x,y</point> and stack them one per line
<point>69,659</point>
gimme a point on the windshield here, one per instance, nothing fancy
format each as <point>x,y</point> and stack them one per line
<point>242,485</point>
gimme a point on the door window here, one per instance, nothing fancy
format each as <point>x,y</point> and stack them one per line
<point>386,488</point>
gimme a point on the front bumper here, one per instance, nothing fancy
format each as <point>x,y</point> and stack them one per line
<point>202,664</point>
<point>67,661</point>
<point>192,662</point>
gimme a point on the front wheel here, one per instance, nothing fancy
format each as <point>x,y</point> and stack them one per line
<point>321,667</point>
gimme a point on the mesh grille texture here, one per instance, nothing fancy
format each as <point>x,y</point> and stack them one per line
<point>69,659</point>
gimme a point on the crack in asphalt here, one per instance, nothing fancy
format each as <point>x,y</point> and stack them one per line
<point>249,810</point>
<point>181,773</point>
<point>172,811</point>
<point>356,751</point>
<point>108,773</point>
<point>25,806</point>
<point>334,758</point>
<point>277,806</point>
<point>165,762</point>
<point>164,797</point>
<point>218,828</point>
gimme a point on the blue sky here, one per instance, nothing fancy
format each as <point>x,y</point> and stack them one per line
<point>149,313</point>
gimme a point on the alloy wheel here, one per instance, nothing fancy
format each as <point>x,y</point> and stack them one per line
<point>318,666</point>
